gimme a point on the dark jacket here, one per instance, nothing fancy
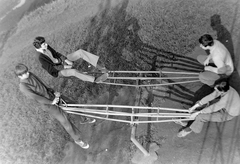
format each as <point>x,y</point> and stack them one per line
<point>47,63</point>
<point>36,89</point>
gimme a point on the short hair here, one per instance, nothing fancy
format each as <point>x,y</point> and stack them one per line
<point>206,40</point>
<point>20,69</point>
<point>38,41</point>
<point>223,85</point>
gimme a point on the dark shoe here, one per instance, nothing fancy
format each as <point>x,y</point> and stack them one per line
<point>101,78</point>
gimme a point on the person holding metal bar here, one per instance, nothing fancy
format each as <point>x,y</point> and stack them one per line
<point>58,65</point>
<point>226,108</point>
<point>34,88</point>
<point>218,64</point>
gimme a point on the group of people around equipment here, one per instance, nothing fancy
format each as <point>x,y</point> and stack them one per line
<point>223,104</point>
<point>218,66</point>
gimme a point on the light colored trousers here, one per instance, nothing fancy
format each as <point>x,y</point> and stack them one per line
<point>219,116</point>
<point>80,54</point>
<point>207,77</point>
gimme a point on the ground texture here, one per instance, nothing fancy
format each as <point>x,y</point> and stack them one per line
<point>127,35</point>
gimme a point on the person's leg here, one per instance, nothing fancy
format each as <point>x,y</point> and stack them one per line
<point>88,57</point>
<point>81,54</point>
<point>201,58</point>
<point>61,116</point>
<point>208,77</point>
<point>74,72</point>
<point>219,116</point>
<point>83,119</point>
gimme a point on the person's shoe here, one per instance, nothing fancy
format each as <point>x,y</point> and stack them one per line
<point>101,78</point>
<point>179,122</point>
<point>82,144</point>
<point>88,121</point>
<point>184,133</point>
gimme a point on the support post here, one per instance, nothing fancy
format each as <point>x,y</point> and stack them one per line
<point>133,139</point>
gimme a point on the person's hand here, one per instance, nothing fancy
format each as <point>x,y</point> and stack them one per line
<point>67,66</point>
<point>190,110</point>
<point>206,62</point>
<point>55,101</point>
<point>194,115</point>
<point>69,62</point>
<point>207,68</point>
<point>57,94</point>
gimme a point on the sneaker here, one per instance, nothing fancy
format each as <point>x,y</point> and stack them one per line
<point>101,78</point>
<point>83,145</point>
<point>88,121</point>
<point>183,133</point>
<point>179,122</point>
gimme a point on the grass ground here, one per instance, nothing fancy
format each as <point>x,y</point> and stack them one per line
<point>127,35</point>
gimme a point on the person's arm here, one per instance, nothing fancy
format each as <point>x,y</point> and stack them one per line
<point>49,68</point>
<point>56,54</point>
<point>204,101</point>
<point>222,103</point>
<point>220,69</point>
<point>209,97</point>
<point>27,91</point>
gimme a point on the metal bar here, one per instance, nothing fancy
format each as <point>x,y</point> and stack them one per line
<point>109,112</point>
<point>104,118</point>
<point>125,106</point>
<point>163,115</point>
<point>139,146</point>
<point>167,72</point>
<point>150,85</point>
<point>125,121</point>
<point>149,78</point>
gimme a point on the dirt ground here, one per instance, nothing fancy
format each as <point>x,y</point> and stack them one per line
<point>218,143</point>
<point>110,143</point>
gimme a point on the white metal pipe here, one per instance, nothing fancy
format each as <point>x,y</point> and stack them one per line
<point>139,146</point>
<point>126,106</point>
<point>162,115</point>
<point>167,72</point>
<point>150,85</point>
<point>149,78</point>
<point>125,121</point>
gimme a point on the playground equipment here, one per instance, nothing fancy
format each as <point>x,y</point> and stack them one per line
<point>135,115</point>
<point>137,78</point>
<point>132,114</point>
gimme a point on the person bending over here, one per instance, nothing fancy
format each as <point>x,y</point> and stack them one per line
<point>225,109</point>
<point>58,65</point>
<point>218,64</point>
<point>34,88</point>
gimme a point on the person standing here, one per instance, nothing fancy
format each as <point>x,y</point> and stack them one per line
<point>218,64</point>
<point>58,65</point>
<point>34,88</point>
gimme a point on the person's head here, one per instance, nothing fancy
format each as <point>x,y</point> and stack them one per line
<point>21,71</point>
<point>215,20</point>
<point>39,43</point>
<point>222,85</point>
<point>206,41</point>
